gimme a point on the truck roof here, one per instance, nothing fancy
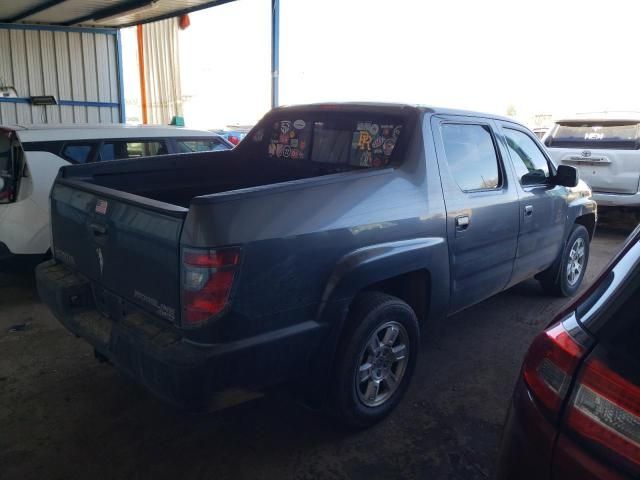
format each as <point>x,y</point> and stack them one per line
<point>49,132</point>
<point>393,107</point>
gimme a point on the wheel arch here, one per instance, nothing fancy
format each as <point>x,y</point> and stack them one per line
<point>401,267</point>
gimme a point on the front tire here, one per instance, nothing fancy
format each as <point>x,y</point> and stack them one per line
<point>376,359</point>
<point>564,278</point>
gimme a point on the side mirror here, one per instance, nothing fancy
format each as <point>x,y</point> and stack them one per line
<point>566,176</point>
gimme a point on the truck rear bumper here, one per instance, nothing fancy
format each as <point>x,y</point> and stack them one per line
<point>190,376</point>
<point>617,199</point>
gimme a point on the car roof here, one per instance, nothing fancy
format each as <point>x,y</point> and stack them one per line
<point>56,132</point>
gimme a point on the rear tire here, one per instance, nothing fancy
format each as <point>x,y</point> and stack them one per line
<point>564,277</point>
<point>376,359</point>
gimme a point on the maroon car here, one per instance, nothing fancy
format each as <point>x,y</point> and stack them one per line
<point>575,412</point>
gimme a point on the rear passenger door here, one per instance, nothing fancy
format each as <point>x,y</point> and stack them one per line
<point>543,205</point>
<point>482,208</point>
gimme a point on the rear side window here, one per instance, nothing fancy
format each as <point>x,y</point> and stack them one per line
<point>200,145</point>
<point>612,135</point>
<point>471,155</point>
<point>530,163</point>
<point>77,152</point>
<point>122,149</point>
<point>348,142</point>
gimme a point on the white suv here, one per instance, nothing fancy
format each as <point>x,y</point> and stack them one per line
<point>606,151</point>
<point>30,158</point>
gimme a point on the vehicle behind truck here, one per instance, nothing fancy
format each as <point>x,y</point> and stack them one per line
<point>312,254</point>
<point>606,151</point>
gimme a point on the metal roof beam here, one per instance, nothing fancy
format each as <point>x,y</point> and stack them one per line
<point>116,10</point>
<point>178,13</point>
<point>32,11</point>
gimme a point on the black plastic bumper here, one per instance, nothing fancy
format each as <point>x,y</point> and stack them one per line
<point>154,354</point>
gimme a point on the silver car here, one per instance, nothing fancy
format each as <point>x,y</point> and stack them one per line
<point>606,151</point>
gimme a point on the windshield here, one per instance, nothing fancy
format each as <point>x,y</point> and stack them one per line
<point>618,135</point>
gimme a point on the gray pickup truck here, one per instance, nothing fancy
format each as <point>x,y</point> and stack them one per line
<point>311,254</point>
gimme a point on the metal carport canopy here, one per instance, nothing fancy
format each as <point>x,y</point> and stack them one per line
<point>121,14</point>
<point>99,13</point>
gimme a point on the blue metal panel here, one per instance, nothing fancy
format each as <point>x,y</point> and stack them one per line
<point>123,117</point>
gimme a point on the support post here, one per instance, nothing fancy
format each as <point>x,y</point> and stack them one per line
<point>275,51</point>
<point>143,82</point>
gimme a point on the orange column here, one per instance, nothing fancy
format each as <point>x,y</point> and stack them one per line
<point>143,86</point>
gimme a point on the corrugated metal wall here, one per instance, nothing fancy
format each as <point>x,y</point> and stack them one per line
<point>80,67</point>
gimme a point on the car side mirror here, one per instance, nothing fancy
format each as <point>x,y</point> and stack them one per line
<point>566,176</point>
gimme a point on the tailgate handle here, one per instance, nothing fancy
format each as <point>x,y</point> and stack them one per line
<point>98,230</point>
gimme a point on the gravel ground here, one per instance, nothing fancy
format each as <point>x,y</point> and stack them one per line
<point>63,415</point>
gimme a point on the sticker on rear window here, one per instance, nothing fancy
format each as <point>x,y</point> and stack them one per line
<point>289,139</point>
<point>373,144</point>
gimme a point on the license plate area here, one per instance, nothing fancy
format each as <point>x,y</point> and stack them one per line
<point>109,304</point>
<point>589,161</point>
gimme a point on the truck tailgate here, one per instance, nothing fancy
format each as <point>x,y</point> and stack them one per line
<point>128,246</point>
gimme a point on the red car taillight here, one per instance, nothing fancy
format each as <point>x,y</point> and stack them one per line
<point>605,409</point>
<point>234,139</point>
<point>207,278</point>
<point>550,365</point>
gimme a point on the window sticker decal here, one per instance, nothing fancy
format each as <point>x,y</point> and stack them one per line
<point>373,144</point>
<point>288,139</point>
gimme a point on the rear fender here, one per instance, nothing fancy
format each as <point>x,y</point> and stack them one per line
<point>367,266</point>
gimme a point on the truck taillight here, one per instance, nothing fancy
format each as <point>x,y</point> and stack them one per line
<point>207,278</point>
<point>550,365</point>
<point>605,410</point>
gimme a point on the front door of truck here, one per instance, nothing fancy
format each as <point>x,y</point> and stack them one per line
<point>482,208</point>
<point>543,205</point>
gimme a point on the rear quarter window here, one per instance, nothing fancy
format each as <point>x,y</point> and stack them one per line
<point>78,152</point>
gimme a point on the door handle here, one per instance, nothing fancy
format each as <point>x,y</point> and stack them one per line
<point>528,210</point>
<point>462,222</point>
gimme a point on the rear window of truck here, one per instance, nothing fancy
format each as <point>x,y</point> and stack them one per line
<point>611,135</point>
<point>359,142</point>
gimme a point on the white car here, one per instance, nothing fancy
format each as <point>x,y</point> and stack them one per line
<point>606,151</point>
<point>31,156</point>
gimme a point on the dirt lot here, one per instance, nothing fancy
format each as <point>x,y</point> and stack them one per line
<point>63,415</point>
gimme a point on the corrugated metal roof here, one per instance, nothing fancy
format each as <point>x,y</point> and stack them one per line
<point>99,13</point>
